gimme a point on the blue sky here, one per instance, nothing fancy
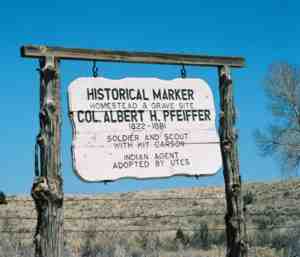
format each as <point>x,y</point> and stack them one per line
<point>261,31</point>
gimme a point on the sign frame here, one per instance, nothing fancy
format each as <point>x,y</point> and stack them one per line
<point>47,188</point>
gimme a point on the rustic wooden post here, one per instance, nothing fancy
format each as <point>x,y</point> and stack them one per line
<point>234,219</point>
<point>47,189</point>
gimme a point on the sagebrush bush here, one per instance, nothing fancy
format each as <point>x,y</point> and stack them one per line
<point>248,198</point>
<point>201,238</point>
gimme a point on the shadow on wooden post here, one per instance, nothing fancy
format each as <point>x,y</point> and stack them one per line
<point>236,236</point>
<point>47,189</point>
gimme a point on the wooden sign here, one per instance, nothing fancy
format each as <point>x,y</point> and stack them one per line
<point>143,128</point>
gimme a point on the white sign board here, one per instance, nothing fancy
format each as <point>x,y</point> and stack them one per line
<point>143,128</point>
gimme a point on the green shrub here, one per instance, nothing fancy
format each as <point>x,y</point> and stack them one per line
<point>262,238</point>
<point>218,237</point>
<point>280,240</point>
<point>181,237</point>
<point>248,198</point>
<point>201,237</point>
<point>269,219</point>
<point>262,222</point>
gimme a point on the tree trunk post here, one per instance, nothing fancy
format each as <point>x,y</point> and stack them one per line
<point>47,188</point>
<point>236,235</point>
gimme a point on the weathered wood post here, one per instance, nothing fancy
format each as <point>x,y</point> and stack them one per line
<point>234,219</point>
<point>47,189</point>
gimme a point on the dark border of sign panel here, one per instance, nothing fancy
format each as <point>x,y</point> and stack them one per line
<point>47,189</point>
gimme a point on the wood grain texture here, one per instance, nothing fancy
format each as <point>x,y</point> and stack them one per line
<point>47,189</point>
<point>130,57</point>
<point>236,235</point>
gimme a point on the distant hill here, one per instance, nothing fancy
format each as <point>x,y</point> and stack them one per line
<point>272,208</point>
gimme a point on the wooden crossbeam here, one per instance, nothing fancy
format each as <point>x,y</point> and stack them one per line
<point>32,51</point>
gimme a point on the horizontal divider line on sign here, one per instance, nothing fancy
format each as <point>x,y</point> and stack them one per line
<point>183,143</point>
<point>121,110</point>
<point>202,143</point>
